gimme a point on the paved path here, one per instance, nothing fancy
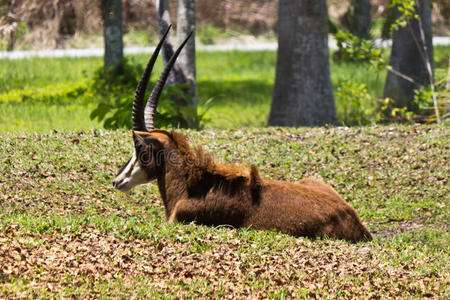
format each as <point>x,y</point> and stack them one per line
<point>136,50</point>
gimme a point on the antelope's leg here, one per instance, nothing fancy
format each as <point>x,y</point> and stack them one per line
<point>186,210</point>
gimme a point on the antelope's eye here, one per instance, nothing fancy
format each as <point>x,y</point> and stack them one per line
<point>144,156</point>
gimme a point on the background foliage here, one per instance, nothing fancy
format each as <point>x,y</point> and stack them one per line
<point>238,96</point>
<point>63,23</point>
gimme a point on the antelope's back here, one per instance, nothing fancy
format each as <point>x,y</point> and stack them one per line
<point>308,208</point>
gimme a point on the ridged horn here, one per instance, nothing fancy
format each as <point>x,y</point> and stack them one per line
<point>152,103</point>
<point>139,95</point>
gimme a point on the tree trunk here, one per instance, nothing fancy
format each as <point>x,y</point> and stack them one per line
<point>176,76</point>
<point>186,60</point>
<point>302,94</point>
<point>361,18</point>
<point>112,32</point>
<point>408,57</point>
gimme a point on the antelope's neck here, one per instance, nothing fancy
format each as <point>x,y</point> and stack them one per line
<point>172,186</point>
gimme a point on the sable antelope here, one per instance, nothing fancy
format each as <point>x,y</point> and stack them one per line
<point>194,187</point>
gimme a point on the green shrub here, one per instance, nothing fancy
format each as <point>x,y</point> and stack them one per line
<point>118,114</point>
<point>353,49</point>
<point>116,94</point>
<point>59,93</point>
<point>423,104</point>
<point>354,105</point>
<point>423,100</point>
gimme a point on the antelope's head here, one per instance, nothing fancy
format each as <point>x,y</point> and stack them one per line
<point>149,144</point>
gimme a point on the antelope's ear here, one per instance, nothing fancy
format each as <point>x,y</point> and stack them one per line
<point>139,141</point>
<point>145,141</point>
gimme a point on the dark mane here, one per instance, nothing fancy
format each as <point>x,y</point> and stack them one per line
<point>198,163</point>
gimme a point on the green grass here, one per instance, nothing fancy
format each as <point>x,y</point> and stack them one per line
<point>36,118</point>
<point>240,84</point>
<point>65,232</point>
<point>39,72</point>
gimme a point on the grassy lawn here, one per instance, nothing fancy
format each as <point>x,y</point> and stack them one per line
<point>64,231</point>
<point>240,84</point>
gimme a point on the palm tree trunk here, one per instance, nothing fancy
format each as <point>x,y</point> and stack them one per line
<point>176,76</point>
<point>361,18</point>
<point>179,73</point>
<point>112,32</point>
<point>186,60</point>
<point>302,93</point>
<point>408,58</point>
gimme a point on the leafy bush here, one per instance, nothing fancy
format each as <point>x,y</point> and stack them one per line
<point>117,100</point>
<point>353,49</point>
<point>118,114</point>
<point>423,104</point>
<point>354,105</point>
<point>392,113</point>
<point>111,83</point>
<point>58,93</point>
<point>423,100</point>
<point>407,9</point>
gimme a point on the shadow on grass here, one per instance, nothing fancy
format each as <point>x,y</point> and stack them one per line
<point>243,103</point>
<point>243,92</point>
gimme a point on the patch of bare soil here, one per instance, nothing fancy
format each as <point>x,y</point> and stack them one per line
<point>53,262</point>
<point>395,227</point>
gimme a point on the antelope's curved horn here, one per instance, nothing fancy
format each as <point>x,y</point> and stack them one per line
<point>152,103</point>
<point>139,94</point>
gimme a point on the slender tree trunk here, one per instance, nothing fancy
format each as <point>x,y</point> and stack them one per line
<point>186,60</point>
<point>302,94</point>
<point>177,75</point>
<point>112,32</point>
<point>163,11</point>
<point>361,18</point>
<point>408,58</point>
<point>79,8</point>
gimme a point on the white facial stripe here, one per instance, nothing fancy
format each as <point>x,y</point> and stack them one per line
<point>127,170</point>
<point>131,176</point>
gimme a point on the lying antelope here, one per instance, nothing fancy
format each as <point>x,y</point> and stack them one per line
<point>194,187</point>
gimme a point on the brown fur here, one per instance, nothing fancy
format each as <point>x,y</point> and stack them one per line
<point>196,188</point>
